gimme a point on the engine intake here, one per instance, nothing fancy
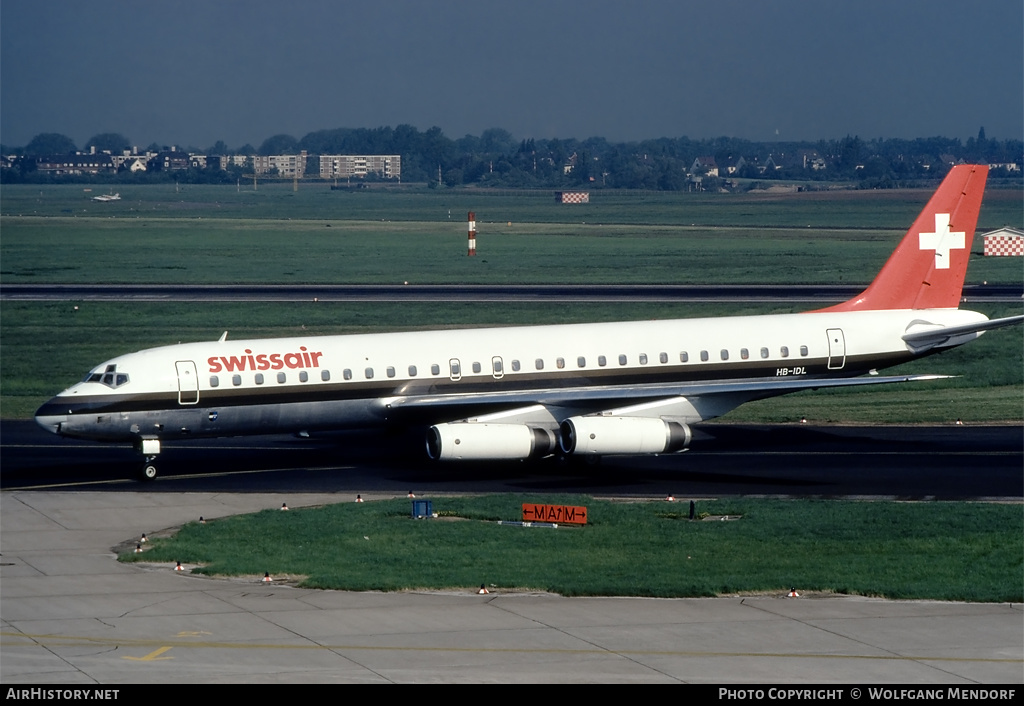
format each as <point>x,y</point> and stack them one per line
<point>606,436</point>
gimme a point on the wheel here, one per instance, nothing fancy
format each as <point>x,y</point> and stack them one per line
<point>148,471</point>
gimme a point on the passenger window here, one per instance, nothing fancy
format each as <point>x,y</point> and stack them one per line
<point>663,357</point>
<point>804,351</point>
<point>259,378</point>
<point>303,376</point>
<point>496,366</point>
<point>435,369</point>
<point>581,362</point>
<point>368,373</point>
<point>281,377</point>
<point>236,380</point>
<point>622,360</point>
<point>785,351</point>
<point>725,354</point>
<point>391,371</point>
<point>325,375</point>
<point>744,354</point>
<point>515,366</point>
<point>764,352</point>
<point>704,356</point>
<point>602,361</point>
<point>684,357</point>
<point>643,359</point>
<point>539,363</point>
<point>347,374</point>
<point>476,367</point>
<point>214,381</point>
<point>560,363</point>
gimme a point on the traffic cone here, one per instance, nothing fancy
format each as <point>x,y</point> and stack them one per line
<point>411,494</point>
<point>143,539</point>
<point>284,506</point>
<point>359,498</point>
<point>138,548</point>
<point>178,567</point>
<point>266,577</point>
<point>793,593</point>
<point>671,498</point>
<point>483,590</point>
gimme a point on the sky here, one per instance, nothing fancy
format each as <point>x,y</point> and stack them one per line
<point>192,72</point>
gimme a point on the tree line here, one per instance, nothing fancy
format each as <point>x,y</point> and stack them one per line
<point>496,159</point>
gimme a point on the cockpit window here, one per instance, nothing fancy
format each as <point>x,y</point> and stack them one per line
<point>109,377</point>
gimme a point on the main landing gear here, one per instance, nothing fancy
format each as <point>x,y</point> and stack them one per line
<point>150,449</point>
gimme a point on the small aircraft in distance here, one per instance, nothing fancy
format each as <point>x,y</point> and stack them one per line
<point>578,390</point>
<point>107,197</point>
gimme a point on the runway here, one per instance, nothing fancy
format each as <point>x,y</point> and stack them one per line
<point>945,462</point>
<point>71,614</point>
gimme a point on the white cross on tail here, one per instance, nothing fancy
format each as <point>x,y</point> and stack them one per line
<point>942,241</point>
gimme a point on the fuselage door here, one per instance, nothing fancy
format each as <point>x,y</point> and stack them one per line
<point>836,349</point>
<point>454,369</point>
<point>497,368</point>
<point>188,382</point>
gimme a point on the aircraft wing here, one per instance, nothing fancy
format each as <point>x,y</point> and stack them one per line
<point>597,397</point>
<point>930,337</point>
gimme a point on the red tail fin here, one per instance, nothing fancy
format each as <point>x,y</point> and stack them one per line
<point>927,269</point>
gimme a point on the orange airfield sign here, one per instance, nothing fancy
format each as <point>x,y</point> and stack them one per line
<point>568,514</point>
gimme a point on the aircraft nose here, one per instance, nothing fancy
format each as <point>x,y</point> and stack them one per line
<point>50,419</point>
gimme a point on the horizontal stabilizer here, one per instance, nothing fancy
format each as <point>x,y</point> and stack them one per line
<point>920,341</point>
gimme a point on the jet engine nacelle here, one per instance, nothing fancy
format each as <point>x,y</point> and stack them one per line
<point>601,436</point>
<point>463,441</point>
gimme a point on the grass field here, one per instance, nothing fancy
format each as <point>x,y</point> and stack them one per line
<point>359,252</point>
<point>942,551</point>
<point>316,202</point>
<point>217,234</point>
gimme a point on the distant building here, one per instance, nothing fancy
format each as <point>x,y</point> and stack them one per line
<point>76,163</point>
<point>572,197</point>
<point>132,160</point>
<point>287,165</point>
<point>345,166</point>
<point>735,165</point>
<point>170,161</point>
<point>1005,242</point>
<point>811,159</point>
<point>704,166</point>
<point>133,165</point>
<point>233,160</point>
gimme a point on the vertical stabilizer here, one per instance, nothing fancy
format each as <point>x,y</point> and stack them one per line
<point>927,269</point>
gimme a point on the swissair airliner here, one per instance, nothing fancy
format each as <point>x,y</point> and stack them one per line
<point>525,392</point>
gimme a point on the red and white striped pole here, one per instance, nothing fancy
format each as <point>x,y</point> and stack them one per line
<point>472,234</point>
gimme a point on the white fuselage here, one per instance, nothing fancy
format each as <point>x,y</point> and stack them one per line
<point>528,373</point>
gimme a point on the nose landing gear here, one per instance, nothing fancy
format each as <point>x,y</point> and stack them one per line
<point>150,448</point>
